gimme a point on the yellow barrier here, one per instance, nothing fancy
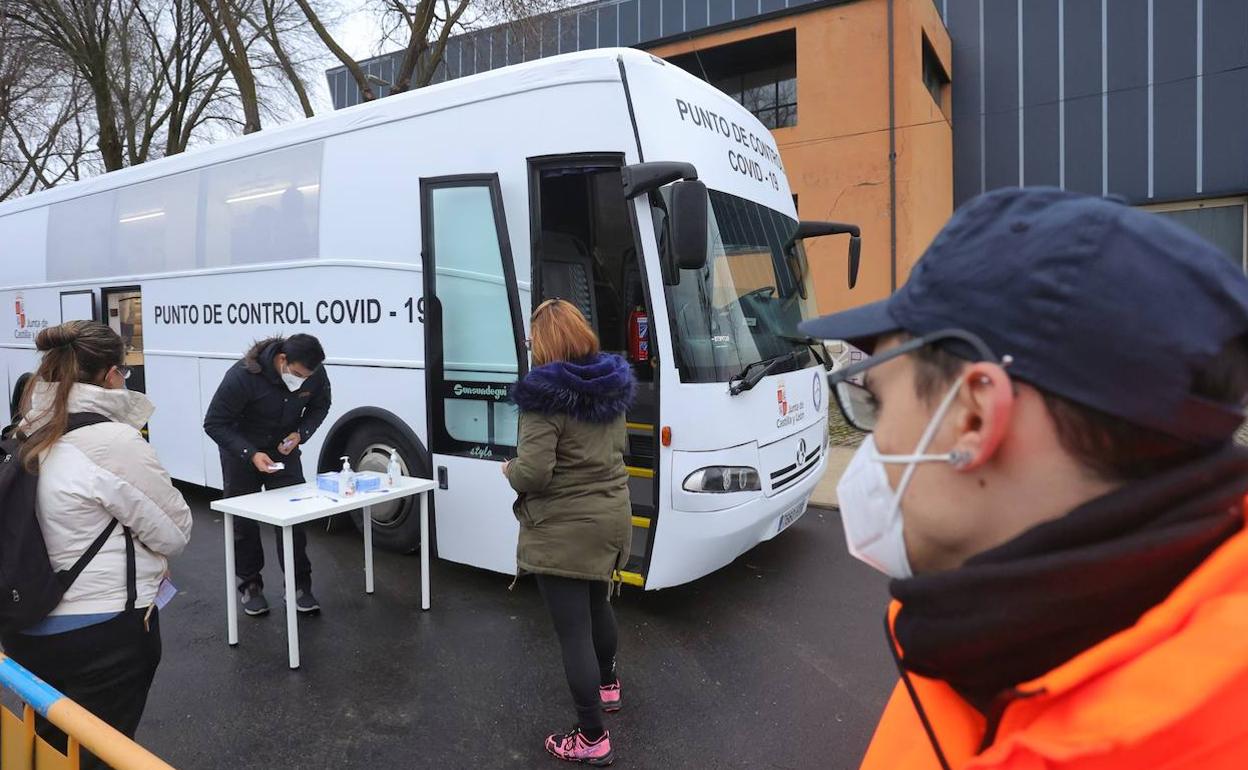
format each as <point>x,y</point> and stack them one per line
<point>22,749</point>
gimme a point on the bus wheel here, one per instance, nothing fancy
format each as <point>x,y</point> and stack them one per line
<point>396,523</point>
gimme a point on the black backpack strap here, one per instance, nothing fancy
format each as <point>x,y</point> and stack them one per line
<point>83,419</point>
<point>132,587</point>
<point>70,575</point>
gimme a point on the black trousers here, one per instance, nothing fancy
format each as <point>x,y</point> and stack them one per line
<point>588,636</point>
<point>242,478</point>
<point>106,668</point>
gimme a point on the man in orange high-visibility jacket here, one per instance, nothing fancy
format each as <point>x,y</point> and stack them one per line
<point>1051,480</point>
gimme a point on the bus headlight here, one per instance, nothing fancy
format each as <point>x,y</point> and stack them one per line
<point>722,479</point>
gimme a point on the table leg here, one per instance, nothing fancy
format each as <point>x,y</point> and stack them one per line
<point>231,599</point>
<point>368,548</point>
<point>292,624</point>
<point>424,550</point>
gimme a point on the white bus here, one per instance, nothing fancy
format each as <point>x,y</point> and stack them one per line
<point>413,236</point>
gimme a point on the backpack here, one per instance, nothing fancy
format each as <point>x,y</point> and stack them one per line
<point>29,587</point>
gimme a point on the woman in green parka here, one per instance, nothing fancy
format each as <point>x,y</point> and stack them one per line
<point>573,507</point>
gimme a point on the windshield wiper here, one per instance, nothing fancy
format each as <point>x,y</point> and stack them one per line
<point>809,342</point>
<point>755,372</point>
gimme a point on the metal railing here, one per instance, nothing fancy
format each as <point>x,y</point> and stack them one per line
<point>22,749</point>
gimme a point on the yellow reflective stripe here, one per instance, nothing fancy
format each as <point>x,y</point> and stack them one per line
<point>639,426</point>
<point>640,473</point>
<point>631,578</point>
<point>641,521</point>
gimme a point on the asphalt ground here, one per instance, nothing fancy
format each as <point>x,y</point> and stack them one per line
<point>776,661</point>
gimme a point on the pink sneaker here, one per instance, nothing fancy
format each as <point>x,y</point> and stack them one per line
<point>575,747</point>
<point>610,696</point>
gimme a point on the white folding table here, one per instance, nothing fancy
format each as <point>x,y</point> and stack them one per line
<point>289,506</point>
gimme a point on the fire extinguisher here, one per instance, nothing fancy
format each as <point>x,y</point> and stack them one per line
<point>638,336</point>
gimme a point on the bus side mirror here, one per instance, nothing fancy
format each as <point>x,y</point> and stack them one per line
<point>687,224</point>
<point>855,256</point>
<point>817,229</point>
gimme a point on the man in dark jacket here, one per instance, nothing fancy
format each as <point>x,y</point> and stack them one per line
<point>268,404</point>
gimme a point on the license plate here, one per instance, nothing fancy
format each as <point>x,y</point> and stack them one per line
<point>791,515</point>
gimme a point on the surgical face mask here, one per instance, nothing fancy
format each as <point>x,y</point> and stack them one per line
<point>293,381</point>
<point>871,510</point>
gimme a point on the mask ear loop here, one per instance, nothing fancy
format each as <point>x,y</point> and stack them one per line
<point>929,433</point>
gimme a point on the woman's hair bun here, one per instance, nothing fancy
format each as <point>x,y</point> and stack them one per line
<point>57,336</point>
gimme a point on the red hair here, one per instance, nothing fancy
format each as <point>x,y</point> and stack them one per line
<point>561,333</point>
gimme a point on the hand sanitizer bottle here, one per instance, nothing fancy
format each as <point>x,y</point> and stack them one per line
<point>346,479</point>
<point>393,471</point>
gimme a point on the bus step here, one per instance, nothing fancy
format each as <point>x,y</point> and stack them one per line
<point>642,456</point>
<point>640,473</point>
<point>632,572</point>
<point>631,578</point>
<point>641,522</point>
<point>641,445</point>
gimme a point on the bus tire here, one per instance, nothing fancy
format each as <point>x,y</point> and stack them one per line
<point>396,523</point>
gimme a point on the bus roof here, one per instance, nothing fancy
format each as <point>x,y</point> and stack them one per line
<point>599,65</point>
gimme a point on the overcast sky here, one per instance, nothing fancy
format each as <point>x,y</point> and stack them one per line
<point>359,32</point>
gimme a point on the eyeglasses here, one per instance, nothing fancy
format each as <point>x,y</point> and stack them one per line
<point>859,406</point>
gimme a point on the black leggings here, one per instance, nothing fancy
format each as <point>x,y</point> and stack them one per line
<point>588,636</point>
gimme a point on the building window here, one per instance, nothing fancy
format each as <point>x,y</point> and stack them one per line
<point>935,79</point>
<point>760,73</point>
<point>1221,221</point>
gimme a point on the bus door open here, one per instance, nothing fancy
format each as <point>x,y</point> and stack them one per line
<point>585,251</point>
<point>123,312</point>
<point>474,351</point>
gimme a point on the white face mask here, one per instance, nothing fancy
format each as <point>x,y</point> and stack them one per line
<point>871,510</point>
<point>293,382</point>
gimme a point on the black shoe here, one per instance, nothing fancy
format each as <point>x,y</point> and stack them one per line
<point>254,603</point>
<point>305,602</point>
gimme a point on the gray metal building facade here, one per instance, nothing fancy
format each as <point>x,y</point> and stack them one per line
<point>1144,98</point>
<point>1147,99</point>
<point>607,24</point>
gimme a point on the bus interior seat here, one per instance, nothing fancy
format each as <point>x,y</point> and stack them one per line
<point>568,272</point>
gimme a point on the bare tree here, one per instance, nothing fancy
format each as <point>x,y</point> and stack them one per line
<point>226,19</point>
<point>82,33</point>
<point>282,21</point>
<point>189,70</point>
<point>422,28</point>
<point>43,138</point>
<point>150,67</point>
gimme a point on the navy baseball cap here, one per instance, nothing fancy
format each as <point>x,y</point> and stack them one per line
<point>1107,306</point>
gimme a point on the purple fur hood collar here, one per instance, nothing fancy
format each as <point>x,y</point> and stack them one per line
<point>598,390</point>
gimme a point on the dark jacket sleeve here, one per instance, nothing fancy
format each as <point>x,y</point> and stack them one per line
<point>534,465</point>
<point>226,412</point>
<point>318,406</point>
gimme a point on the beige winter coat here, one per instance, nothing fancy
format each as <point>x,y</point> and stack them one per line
<point>93,475</point>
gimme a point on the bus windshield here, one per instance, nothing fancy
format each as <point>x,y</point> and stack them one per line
<point>744,306</point>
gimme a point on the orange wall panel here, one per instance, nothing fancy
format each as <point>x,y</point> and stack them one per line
<point>836,157</point>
